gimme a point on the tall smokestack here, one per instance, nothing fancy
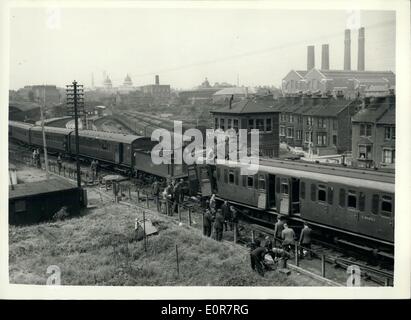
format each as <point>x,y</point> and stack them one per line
<point>325,57</point>
<point>310,58</point>
<point>347,50</point>
<point>361,53</point>
<point>157,79</point>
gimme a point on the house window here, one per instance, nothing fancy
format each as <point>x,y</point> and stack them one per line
<point>299,134</point>
<point>334,139</point>
<point>386,206</point>
<point>291,118</point>
<point>222,124</point>
<point>322,193</point>
<point>251,124</point>
<point>364,151</point>
<point>352,199</point>
<point>322,138</point>
<point>229,122</point>
<point>235,124</point>
<point>389,133</point>
<point>290,132</point>
<point>335,124</point>
<point>216,123</point>
<point>268,125</point>
<point>300,119</point>
<point>231,177</point>
<point>260,125</point>
<point>308,136</point>
<point>282,131</point>
<point>388,156</point>
<point>322,123</point>
<point>309,121</point>
<point>365,130</point>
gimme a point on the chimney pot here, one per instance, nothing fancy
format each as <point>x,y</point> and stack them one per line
<point>157,79</point>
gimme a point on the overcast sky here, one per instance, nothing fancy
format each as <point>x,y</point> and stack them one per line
<point>184,46</point>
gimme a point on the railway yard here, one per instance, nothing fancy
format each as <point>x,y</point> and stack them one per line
<point>98,247</point>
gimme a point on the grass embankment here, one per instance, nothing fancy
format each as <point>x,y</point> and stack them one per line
<point>98,248</point>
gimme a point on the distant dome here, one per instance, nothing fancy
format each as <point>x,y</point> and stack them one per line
<point>107,83</point>
<point>127,81</point>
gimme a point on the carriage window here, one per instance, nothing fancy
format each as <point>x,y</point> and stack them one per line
<point>361,201</point>
<point>352,199</point>
<point>284,187</point>
<point>231,177</point>
<point>236,177</point>
<point>342,197</point>
<point>244,181</point>
<point>250,181</point>
<point>225,175</point>
<point>386,206</point>
<point>322,193</point>
<point>20,206</point>
<point>218,173</point>
<point>302,190</point>
<point>313,191</point>
<point>375,203</point>
<point>261,182</point>
<point>330,195</point>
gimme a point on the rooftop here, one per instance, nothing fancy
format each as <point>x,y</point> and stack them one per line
<point>39,187</point>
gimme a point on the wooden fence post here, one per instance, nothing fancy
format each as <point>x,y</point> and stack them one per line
<point>189,216</point>
<point>178,267</point>
<point>138,195</point>
<point>297,261</point>
<point>148,205</point>
<point>179,212</point>
<point>144,228</point>
<point>323,266</point>
<point>235,231</point>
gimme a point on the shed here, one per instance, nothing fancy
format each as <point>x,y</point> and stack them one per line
<point>38,201</point>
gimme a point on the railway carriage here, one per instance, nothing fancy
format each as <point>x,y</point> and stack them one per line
<point>56,138</point>
<point>348,200</point>
<point>20,131</point>
<point>114,148</point>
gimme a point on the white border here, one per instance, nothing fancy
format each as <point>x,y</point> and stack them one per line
<point>401,287</point>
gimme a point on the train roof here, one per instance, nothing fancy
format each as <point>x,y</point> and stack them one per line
<point>52,129</point>
<point>110,136</point>
<point>18,124</point>
<point>382,181</point>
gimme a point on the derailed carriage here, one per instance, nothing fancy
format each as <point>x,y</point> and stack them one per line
<point>348,201</point>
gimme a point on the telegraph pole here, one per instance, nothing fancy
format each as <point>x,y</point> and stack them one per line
<point>75,101</point>
<point>43,105</point>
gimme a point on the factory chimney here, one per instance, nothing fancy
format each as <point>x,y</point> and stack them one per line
<point>347,50</point>
<point>310,58</point>
<point>361,53</point>
<point>157,79</point>
<point>325,57</point>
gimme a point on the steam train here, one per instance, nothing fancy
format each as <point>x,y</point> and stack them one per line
<point>128,154</point>
<point>352,203</point>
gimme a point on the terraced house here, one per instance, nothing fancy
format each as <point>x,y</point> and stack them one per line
<point>373,133</point>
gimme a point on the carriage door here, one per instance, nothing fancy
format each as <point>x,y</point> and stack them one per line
<point>118,152</point>
<point>295,195</point>
<point>205,183</point>
<point>193,181</point>
<point>271,191</point>
<point>283,191</point>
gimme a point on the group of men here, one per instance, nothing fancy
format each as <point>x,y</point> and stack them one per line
<point>285,236</point>
<point>173,193</point>
<point>220,219</point>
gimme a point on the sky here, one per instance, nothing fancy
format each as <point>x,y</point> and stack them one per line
<point>184,46</point>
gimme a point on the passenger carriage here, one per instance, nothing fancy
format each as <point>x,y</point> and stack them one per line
<point>19,131</point>
<point>351,200</point>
